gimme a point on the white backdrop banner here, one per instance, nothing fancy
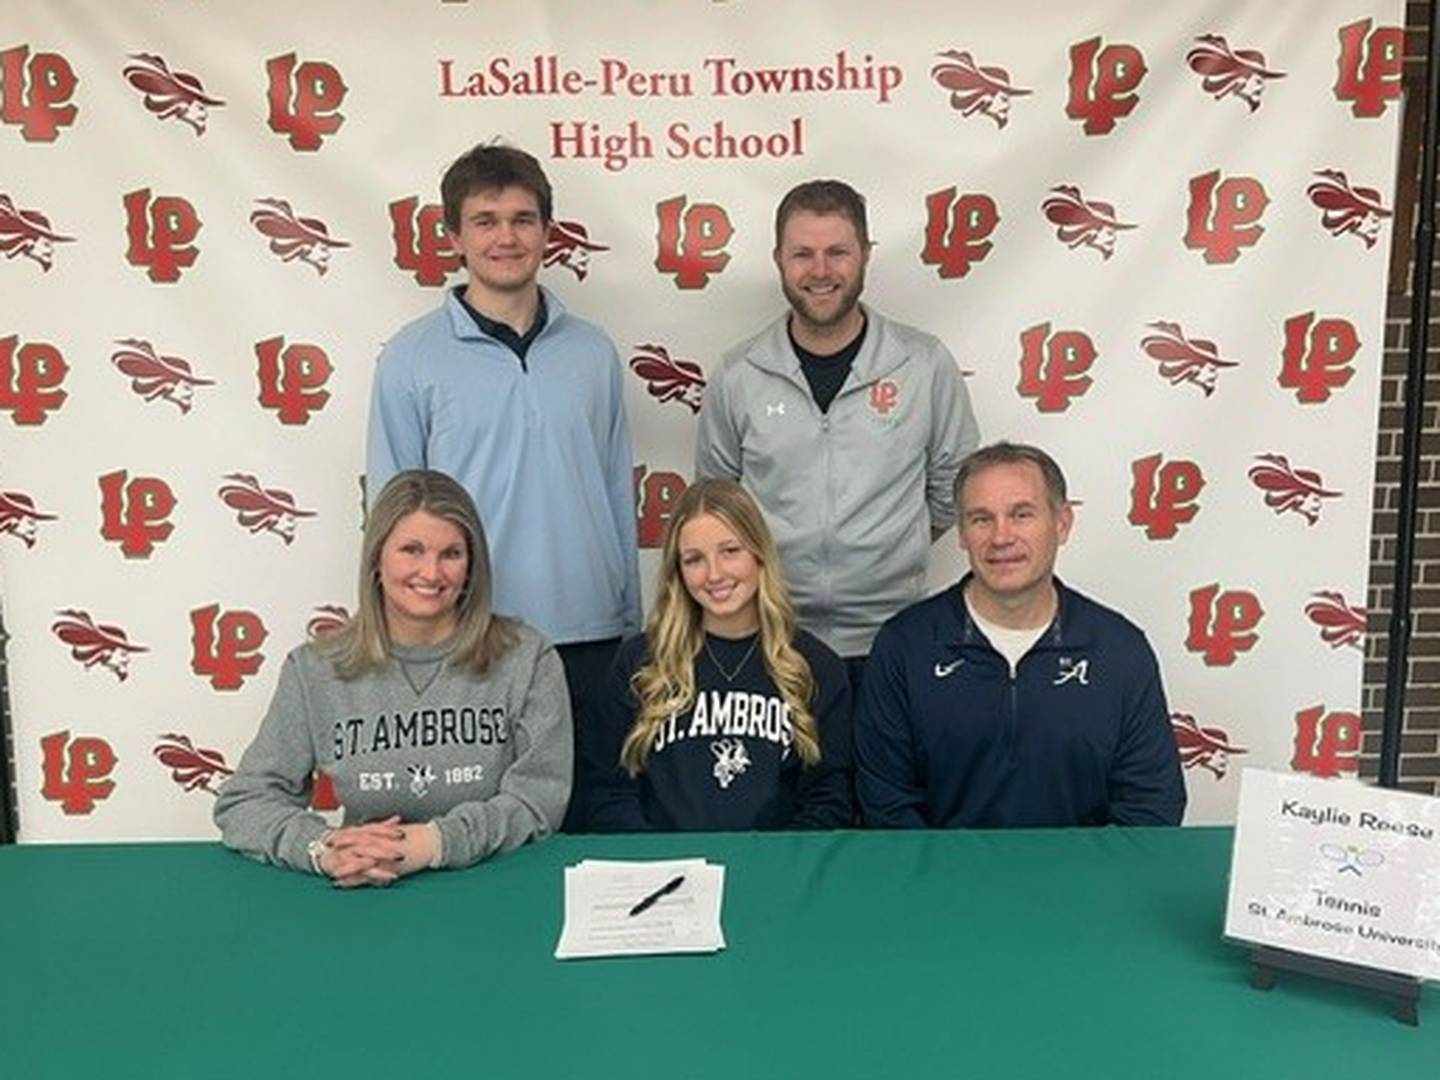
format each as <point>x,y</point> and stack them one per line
<point>1154,236</point>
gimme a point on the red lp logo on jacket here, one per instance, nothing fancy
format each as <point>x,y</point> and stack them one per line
<point>691,242</point>
<point>32,377</point>
<point>304,100</point>
<point>1222,623</point>
<point>34,91</point>
<point>134,513</point>
<point>226,647</point>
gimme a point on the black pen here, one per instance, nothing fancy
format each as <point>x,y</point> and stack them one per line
<point>664,890</point>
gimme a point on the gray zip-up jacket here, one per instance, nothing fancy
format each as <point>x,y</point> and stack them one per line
<point>486,757</point>
<point>853,494</point>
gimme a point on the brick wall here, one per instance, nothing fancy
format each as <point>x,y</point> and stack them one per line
<point>1420,742</point>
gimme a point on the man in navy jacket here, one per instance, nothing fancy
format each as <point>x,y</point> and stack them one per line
<point>1010,700</point>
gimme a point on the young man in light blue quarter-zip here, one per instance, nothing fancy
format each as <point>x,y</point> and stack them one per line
<point>522,403</point>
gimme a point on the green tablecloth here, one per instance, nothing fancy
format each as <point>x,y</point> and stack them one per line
<point>1085,953</point>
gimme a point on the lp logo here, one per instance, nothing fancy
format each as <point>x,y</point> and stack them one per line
<point>1371,67</point>
<point>30,380</point>
<point>304,100</point>
<point>422,245</point>
<point>1221,624</point>
<point>1162,497</point>
<point>133,514</point>
<point>956,231</point>
<point>1101,84</point>
<point>75,772</point>
<point>1052,367</point>
<point>291,379</point>
<point>1223,215</point>
<point>1317,356</point>
<point>226,647</point>
<point>33,95</point>
<point>655,499</point>
<point>1326,745</point>
<point>692,242</point>
<point>161,234</point>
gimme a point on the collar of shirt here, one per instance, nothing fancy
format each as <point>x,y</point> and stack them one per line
<point>519,344</point>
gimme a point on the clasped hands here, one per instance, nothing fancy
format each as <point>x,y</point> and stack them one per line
<point>378,852</point>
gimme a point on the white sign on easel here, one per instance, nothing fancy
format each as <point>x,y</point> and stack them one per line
<point>1337,869</point>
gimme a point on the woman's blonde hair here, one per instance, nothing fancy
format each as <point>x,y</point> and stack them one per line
<point>665,685</point>
<point>480,635</point>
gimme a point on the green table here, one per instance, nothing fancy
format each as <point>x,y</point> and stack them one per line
<point>1085,953</point>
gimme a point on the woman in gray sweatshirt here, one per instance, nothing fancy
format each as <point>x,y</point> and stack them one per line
<point>445,728</point>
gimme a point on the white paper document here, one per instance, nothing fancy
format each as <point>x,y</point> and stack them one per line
<point>641,908</point>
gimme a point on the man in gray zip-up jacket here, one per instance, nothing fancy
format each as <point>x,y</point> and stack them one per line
<point>847,428</point>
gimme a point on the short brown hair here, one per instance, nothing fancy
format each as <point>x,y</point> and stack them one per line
<point>1010,453</point>
<point>824,197</point>
<point>491,167</point>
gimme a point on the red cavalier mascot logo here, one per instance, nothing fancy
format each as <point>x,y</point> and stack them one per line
<point>1080,222</point>
<point>568,244</point>
<point>1226,72</point>
<point>28,233</point>
<point>91,643</point>
<point>976,88</point>
<point>1202,747</point>
<point>193,767</point>
<point>18,516</point>
<point>155,377</point>
<point>1340,623</point>
<point>262,509</point>
<point>307,239</point>
<point>328,619</point>
<point>1345,209</point>
<point>1184,360</point>
<point>1289,489</point>
<point>669,378</point>
<point>170,95</point>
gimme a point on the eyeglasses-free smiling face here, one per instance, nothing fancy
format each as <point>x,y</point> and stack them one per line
<point>822,271</point>
<point>721,574</point>
<point>423,567</point>
<point>1012,534</point>
<point>502,239</point>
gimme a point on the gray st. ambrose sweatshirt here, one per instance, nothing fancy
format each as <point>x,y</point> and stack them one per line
<point>488,758</point>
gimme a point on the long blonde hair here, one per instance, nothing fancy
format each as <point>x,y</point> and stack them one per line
<point>665,685</point>
<point>481,636</point>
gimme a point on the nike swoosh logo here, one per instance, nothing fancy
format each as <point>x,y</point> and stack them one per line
<point>942,670</point>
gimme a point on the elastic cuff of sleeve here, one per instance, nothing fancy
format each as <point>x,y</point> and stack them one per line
<point>438,859</point>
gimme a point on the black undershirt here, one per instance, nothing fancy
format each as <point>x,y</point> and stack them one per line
<point>519,344</point>
<point>827,373</point>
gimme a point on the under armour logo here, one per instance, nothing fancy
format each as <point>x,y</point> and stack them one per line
<point>1073,671</point>
<point>778,409</point>
<point>942,670</point>
<point>421,777</point>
